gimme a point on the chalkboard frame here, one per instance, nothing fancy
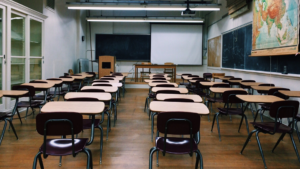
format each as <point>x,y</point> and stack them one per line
<point>141,60</point>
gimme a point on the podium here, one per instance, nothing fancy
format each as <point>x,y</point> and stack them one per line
<point>106,65</point>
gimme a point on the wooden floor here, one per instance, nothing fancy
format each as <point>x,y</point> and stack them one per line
<point>129,144</point>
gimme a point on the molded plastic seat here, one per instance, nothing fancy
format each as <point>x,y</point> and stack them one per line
<point>230,111</point>
<point>173,147</point>
<point>269,127</point>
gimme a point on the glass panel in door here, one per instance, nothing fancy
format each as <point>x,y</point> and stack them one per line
<point>35,69</point>
<point>17,35</point>
<point>35,38</point>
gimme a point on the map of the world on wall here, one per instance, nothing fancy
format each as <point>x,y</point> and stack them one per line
<point>275,24</point>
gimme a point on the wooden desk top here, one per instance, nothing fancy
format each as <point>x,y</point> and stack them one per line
<point>259,98</point>
<point>52,81</point>
<point>154,84</point>
<point>152,75</point>
<point>210,83</point>
<point>149,81</point>
<point>235,81</point>
<point>110,81</point>
<point>79,77</point>
<point>181,90</point>
<point>290,93</point>
<point>67,79</point>
<point>250,83</point>
<point>189,78</point>
<point>116,78</point>
<point>40,85</point>
<point>222,90</point>
<point>225,78</point>
<point>12,93</point>
<point>113,84</point>
<point>162,106</point>
<point>167,78</point>
<point>263,88</point>
<point>105,88</point>
<point>85,74</point>
<point>194,97</point>
<point>154,66</point>
<point>85,108</point>
<point>99,96</point>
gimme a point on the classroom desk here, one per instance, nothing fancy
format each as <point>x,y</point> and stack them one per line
<point>290,93</point>
<point>194,97</point>
<point>119,78</point>
<point>13,94</point>
<point>189,78</point>
<point>220,90</point>
<point>85,74</point>
<point>111,81</point>
<point>137,66</point>
<point>149,81</point>
<point>217,77</point>
<point>113,84</point>
<point>99,96</point>
<point>107,89</point>
<point>225,78</point>
<point>210,84</point>
<point>52,81</point>
<point>181,90</point>
<point>84,108</point>
<point>42,86</point>
<point>235,81</point>
<point>167,78</point>
<point>155,84</point>
<point>248,84</point>
<point>81,77</point>
<point>67,79</point>
<point>264,88</point>
<point>163,106</point>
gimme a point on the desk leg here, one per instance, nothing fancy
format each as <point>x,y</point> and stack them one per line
<point>92,130</point>
<point>135,74</point>
<point>174,74</point>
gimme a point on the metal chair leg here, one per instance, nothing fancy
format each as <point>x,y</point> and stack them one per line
<point>152,151</point>
<point>248,138</point>
<point>246,121</point>
<point>297,130</point>
<point>213,123</point>
<point>200,159</point>
<point>241,123</point>
<point>278,141</point>
<point>260,149</point>
<point>37,156</point>
<point>88,158</point>
<point>157,154</point>
<point>13,128</point>
<point>3,132</point>
<point>26,113</point>
<point>19,116</point>
<point>101,142</point>
<point>295,147</point>
<point>91,158</point>
<point>261,115</point>
<point>218,126</point>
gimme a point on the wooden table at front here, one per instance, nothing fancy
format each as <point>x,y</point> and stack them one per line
<point>137,66</point>
<point>194,97</point>
<point>181,90</point>
<point>162,106</point>
<point>84,108</point>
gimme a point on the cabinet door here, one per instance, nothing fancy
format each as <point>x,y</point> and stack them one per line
<point>2,53</point>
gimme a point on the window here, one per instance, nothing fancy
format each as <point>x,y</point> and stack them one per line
<point>51,3</point>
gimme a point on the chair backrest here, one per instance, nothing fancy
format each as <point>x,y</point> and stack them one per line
<point>165,85</point>
<point>93,90</point>
<point>109,76</point>
<point>266,84</point>
<point>235,78</point>
<point>207,75</point>
<point>30,89</point>
<point>230,96</point>
<point>59,124</point>
<point>284,109</point>
<point>66,74</point>
<point>221,85</point>
<point>65,77</point>
<point>168,91</point>
<point>100,81</point>
<point>33,81</point>
<point>275,92</point>
<point>159,81</point>
<point>102,84</point>
<point>179,100</point>
<point>117,74</point>
<point>107,79</point>
<point>83,99</point>
<point>57,79</point>
<point>248,80</point>
<point>193,76</point>
<point>198,78</point>
<point>157,78</point>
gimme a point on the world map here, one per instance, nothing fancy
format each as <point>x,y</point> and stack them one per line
<point>275,24</point>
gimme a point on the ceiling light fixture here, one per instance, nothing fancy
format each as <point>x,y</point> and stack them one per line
<point>146,19</point>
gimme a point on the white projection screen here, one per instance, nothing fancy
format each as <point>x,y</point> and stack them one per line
<point>180,44</point>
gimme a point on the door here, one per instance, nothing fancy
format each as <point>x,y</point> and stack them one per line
<point>2,54</point>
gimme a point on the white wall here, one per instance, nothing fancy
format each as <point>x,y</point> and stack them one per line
<point>63,43</point>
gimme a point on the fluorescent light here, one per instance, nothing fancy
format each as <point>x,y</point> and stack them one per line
<point>128,7</point>
<point>197,20</point>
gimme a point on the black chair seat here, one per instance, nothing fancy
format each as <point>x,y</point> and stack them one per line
<point>298,117</point>
<point>214,100</point>
<point>176,145</point>
<point>41,97</point>
<point>57,92</point>
<point>269,127</point>
<point>4,115</point>
<point>27,104</point>
<point>152,95</point>
<point>62,147</point>
<point>183,83</point>
<point>88,122</point>
<point>231,111</point>
<point>265,106</point>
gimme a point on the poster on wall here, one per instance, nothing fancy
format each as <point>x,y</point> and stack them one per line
<point>275,27</point>
<point>214,52</point>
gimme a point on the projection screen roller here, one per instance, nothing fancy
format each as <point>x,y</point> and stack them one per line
<point>177,43</point>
